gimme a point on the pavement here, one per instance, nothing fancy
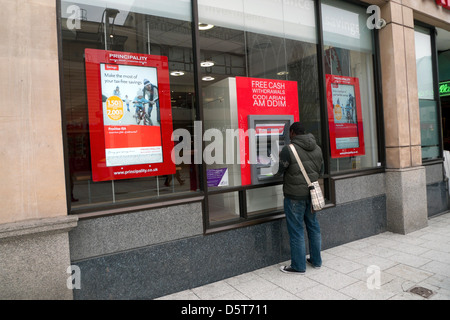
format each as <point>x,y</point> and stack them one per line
<point>386,266</point>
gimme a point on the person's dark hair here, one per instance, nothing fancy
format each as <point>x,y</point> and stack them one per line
<point>297,128</point>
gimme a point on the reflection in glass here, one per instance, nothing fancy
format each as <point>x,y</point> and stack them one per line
<point>162,28</point>
<point>425,83</point>
<point>258,39</point>
<point>428,107</point>
<point>223,207</point>
<point>348,51</point>
<point>266,199</point>
<point>429,129</point>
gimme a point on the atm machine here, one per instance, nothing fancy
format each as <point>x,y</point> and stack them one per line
<point>252,166</point>
<point>270,135</point>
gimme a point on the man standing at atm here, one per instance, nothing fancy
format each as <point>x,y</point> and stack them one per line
<point>297,199</point>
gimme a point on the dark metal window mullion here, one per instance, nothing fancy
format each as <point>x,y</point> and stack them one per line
<point>199,112</point>
<point>63,108</point>
<point>379,99</point>
<point>437,98</point>
<point>323,99</point>
<point>243,204</point>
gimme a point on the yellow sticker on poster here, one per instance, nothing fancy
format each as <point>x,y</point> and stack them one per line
<point>114,108</point>
<point>338,112</point>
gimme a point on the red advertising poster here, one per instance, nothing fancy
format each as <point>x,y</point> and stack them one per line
<point>262,97</point>
<point>344,116</point>
<point>443,3</point>
<point>130,116</point>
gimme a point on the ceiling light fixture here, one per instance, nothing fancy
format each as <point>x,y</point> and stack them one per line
<point>207,63</point>
<point>177,73</point>
<point>205,26</point>
<point>208,78</point>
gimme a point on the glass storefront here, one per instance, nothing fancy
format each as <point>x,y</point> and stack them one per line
<point>256,67</point>
<point>265,40</point>
<point>428,100</point>
<point>163,28</point>
<point>349,53</point>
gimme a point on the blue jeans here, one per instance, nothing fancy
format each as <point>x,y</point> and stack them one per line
<point>297,212</point>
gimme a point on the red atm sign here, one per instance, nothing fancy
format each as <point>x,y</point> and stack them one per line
<point>443,3</point>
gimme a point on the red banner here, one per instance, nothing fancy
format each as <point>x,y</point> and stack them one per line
<point>130,115</point>
<point>443,3</point>
<point>344,116</point>
<point>262,97</point>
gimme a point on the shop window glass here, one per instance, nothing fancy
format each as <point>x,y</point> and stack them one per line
<point>349,69</point>
<point>424,63</point>
<point>223,207</point>
<point>241,41</point>
<point>159,28</point>
<point>263,200</point>
<point>428,106</point>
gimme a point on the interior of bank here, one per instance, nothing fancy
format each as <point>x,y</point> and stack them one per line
<point>443,56</point>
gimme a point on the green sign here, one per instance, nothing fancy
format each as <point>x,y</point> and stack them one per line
<point>444,89</point>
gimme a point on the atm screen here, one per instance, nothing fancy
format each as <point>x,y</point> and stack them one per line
<point>264,133</point>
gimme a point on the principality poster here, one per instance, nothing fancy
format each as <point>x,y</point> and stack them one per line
<point>344,116</point>
<point>130,117</point>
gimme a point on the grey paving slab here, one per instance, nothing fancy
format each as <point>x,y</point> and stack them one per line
<point>321,292</point>
<point>213,290</point>
<point>359,291</point>
<point>275,294</point>
<point>437,267</point>
<point>255,288</point>
<point>408,273</point>
<point>409,259</point>
<point>343,265</point>
<point>234,295</point>
<point>293,284</point>
<point>333,279</point>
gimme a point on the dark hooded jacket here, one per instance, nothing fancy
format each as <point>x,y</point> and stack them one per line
<point>294,184</point>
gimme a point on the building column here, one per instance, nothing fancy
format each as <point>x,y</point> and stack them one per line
<point>34,259</point>
<point>34,225</point>
<point>405,176</point>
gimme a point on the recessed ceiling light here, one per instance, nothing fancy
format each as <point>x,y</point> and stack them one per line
<point>282,73</point>
<point>208,78</point>
<point>205,26</point>
<point>177,73</point>
<point>207,63</point>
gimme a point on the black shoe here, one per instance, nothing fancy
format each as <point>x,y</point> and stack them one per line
<point>290,270</point>
<point>312,265</point>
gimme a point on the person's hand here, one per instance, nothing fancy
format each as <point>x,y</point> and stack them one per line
<point>274,165</point>
<point>272,158</point>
